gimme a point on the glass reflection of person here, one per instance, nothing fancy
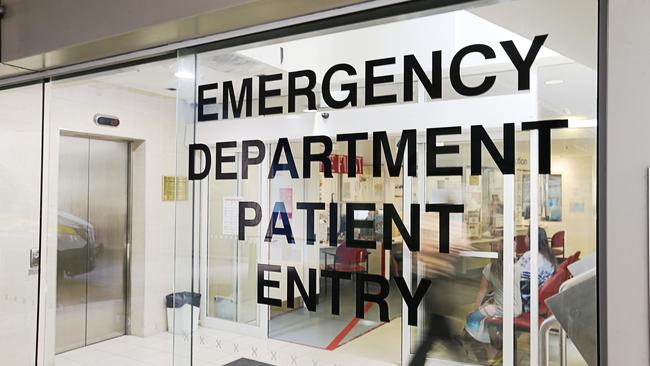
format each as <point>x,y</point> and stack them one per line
<point>546,265</point>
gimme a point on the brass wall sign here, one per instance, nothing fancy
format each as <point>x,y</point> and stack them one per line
<point>174,188</point>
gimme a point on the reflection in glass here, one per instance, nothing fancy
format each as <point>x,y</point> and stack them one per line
<point>462,316</point>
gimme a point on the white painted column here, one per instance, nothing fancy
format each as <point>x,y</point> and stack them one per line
<point>264,247</point>
<point>534,247</point>
<point>508,267</point>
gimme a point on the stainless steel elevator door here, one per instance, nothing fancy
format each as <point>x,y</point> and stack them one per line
<point>92,236</point>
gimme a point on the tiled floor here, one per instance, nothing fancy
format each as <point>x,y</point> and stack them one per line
<point>320,327</point>
<point>212,347</point>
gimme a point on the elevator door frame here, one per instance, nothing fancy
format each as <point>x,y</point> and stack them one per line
<point>129,217</point>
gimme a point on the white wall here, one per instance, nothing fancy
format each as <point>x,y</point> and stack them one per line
<point>626,183</point>
<point>578,184</point>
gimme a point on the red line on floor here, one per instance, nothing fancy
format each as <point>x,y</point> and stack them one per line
<point>339,337</point>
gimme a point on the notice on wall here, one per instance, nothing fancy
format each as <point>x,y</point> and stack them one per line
<point>286,196</point>
<point>577,207</point>
<point>340,164</point>
<point>230,215</point>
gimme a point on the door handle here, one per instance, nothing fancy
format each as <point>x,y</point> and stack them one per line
<point>34,258</point>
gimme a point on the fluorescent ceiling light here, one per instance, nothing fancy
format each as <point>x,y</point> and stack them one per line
<point>582,123</point>
<point>184,74</point>
<point>554,82</point>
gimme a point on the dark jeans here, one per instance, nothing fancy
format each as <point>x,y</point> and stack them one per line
<point>438,329</point>
<point>440,305</point>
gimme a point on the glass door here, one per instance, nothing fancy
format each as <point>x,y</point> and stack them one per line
<point>232,261</point>
<point>473,294</point>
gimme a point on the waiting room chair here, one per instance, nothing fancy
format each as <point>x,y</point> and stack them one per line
<point>572,259</point>
<point>520,245</point>
<point>351,260</point>
<point>550,288</point>
<point>522,322</point>
<point>557,244</point>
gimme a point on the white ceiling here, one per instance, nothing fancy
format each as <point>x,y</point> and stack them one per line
<point>572,25</point>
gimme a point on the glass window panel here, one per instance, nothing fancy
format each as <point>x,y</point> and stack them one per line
<point>562,86</point>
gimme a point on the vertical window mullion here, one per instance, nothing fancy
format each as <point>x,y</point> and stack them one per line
<point>508,268</point>
<point>534,247</point>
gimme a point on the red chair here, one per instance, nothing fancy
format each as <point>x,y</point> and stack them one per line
<point>353,260</point>
<point>550,288</point>
<point>557,244</point>
<point>347,259</point>
<point>572,259</point>
<point>522,322</point>
<point>520,245</point>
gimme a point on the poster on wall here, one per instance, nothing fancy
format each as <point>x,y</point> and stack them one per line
<point>286,196</point>
<point>230,215</point>
<point>553,200</point>
<point>525,196</point>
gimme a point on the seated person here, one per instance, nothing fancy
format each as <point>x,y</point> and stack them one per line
<point>492,304</point>
<point>546,265</point>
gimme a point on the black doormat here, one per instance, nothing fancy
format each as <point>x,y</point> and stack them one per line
<point>247,362</point>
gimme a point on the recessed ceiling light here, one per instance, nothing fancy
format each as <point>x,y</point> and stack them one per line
<point>183,74</point>
<point>554,82</point>
<point>582,122</point>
